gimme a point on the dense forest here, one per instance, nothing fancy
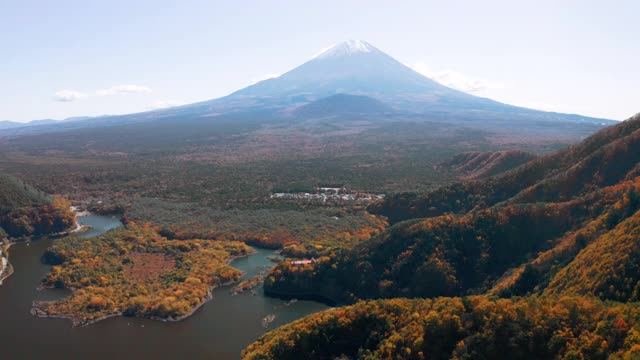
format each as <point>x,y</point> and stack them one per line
<point>455,255</point>
<point>605,158</point>
<point>136,272</point>
<point>561,230</point>
<point>26,211</point>
<point>473,327</point>
<point>304,229</point>
<point>15,193</point>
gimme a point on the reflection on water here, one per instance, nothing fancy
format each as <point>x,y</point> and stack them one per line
<point>218,330</point>
<point>98,224</point>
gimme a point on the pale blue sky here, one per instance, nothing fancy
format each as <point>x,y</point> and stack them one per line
<point>114,57</point>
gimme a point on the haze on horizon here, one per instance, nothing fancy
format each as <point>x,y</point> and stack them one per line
<point>71,58</point>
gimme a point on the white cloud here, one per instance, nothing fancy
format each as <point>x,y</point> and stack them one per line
<point>122,89</point>
<point>456,80</point>
<point>161,104</point>
<point>68,95</point>
<point>71,95</point>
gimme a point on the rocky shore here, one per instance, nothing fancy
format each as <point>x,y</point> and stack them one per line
<point>5,266</point>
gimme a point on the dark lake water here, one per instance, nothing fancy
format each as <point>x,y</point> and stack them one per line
<point>218,330</point>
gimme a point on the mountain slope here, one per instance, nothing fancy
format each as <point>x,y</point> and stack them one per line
<point>15,193</point>
<point>342,105</point>
<point>354,67</point>
<point>608,268</point>
<point>478,165</point>
<point>603,159</point>
<point>559,247</point>
<point>483,233</point>
<point>459,328</point>
<point>25,211</point>
<point>357,68</point>
<point>6,124</point>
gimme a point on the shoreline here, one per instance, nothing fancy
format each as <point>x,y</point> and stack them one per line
<point>79,228</point>
<point>38,312</point>
<point>10,269</point>
<point>7,270</point>
<point>209,296</point>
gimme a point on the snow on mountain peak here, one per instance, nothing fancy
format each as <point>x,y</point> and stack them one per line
<point>348,47</point>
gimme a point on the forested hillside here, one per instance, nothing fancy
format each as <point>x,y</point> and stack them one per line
<point>609,156</point>
<point>480,165</point>
<point>26,211</point>
<point>608,268</point>
<point>15,193</point>
<point>565,224</point>
<point>459,252</point>
<point>459,328</point>
<point>456,255</point>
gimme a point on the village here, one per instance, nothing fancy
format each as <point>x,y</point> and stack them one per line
<point>304,262</point>
<point>329,194</point>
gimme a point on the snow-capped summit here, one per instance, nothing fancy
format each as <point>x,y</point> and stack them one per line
<point>350,67</point>
<point>348,47</point>
<point>358,68</point>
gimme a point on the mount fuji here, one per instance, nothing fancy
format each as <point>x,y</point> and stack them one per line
<point>355,69</point>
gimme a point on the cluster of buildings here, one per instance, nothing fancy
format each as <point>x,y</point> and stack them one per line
<point>304,261</point>
<point>324,194</point>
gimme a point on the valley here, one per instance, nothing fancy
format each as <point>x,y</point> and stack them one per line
<point>556,235</point>
<point>438,223</point>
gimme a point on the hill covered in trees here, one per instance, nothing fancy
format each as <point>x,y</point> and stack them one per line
<point>480,165</point>
<point>606,158</point>
<point>564,224</point>
<point>582,193</point>
<point>459,328</point>
<point>15,193</point>
<point>26,211</point>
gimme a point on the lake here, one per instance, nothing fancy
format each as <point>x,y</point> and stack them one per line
<point>218,330</point>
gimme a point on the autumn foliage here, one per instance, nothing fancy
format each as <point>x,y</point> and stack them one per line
<point>562,230</point>
<point>39,220</point>
<point>136,272</point>
<point>574,228</point>
<point>474,327</point>
<point>606,158</point>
